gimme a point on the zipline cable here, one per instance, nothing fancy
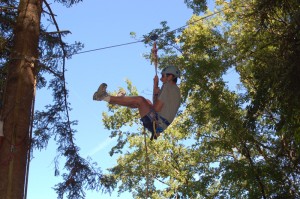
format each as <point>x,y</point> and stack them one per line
<point>123,44</point>
<point>143,40</point>
<point>113,46</point>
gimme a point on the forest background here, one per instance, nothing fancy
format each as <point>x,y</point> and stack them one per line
<point>225,142</point>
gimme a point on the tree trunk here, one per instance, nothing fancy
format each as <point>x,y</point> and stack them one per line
<point>18,98</point>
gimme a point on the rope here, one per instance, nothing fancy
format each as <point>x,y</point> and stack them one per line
<point>154,59</point>
<point>147,164</point>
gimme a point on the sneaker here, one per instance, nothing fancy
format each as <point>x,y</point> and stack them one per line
<point>101,93</point>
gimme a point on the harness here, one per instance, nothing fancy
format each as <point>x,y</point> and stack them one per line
<point>157,121</point>
<point>154,117</point>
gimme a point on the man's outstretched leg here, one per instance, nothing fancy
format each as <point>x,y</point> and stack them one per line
<point>132,101</point>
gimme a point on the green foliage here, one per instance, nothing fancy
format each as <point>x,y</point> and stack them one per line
<point>121,117</point>
<point>196,5</point>
<point>53,123</point>
<point>68,3</point>
<point>224,143</point>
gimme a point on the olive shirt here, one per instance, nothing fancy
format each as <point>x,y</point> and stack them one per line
<point>171,97</point>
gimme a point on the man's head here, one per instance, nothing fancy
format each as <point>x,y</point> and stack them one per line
<point>171,70</point>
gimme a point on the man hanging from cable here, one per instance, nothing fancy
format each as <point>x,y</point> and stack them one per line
<point>155,117</point>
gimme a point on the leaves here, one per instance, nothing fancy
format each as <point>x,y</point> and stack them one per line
<point>227,144</point>
<point>54,123</point>
<point>223,143</point>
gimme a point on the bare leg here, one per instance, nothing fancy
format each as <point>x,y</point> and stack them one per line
<point>139,102</point>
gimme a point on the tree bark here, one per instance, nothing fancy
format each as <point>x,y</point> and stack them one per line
<point>18,98</point>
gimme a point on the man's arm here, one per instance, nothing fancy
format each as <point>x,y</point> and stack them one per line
<point>155,89</point>
<point>157,104</point>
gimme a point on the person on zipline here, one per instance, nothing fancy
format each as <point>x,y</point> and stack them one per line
<point>166,101</point>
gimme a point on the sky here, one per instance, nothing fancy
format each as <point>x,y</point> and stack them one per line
<point>99,24</point>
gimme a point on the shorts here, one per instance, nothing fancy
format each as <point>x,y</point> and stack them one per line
<point>147,123</point>
<point>150,118</point>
